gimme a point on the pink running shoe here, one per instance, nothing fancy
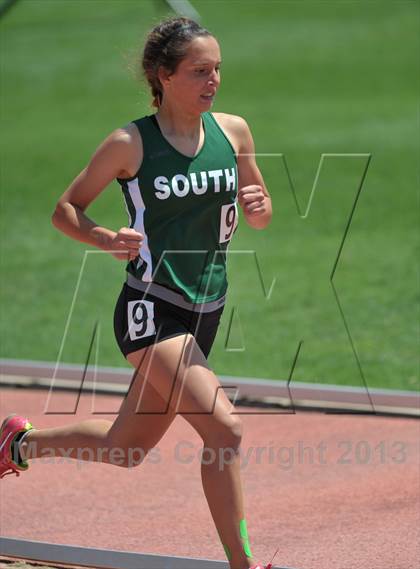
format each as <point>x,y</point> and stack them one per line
<point>12,426</point>
<point>269,566</point>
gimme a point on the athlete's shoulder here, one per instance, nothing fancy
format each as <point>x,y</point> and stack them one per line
<point>237,129</point>
<point>125,134</point>
<point>125,144</point>
<point>233,121</point>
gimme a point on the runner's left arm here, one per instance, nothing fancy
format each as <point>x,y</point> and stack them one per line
<point>253,196</point>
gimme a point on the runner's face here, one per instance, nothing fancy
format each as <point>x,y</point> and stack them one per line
<point>197,77</point>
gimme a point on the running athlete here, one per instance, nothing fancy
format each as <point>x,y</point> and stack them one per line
<point>182,171</point>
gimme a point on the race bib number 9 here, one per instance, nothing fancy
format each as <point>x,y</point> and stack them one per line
<point>228,221</point>
<point>140,319</point>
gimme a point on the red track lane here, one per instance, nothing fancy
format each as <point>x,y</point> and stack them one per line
<point>331,507</point>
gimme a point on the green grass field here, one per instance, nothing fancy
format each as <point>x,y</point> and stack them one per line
<point>310,78</point>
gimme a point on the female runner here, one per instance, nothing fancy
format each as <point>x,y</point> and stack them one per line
<point>182,172</point>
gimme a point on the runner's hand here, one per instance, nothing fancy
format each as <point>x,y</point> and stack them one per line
<point>128,241</point>
<point>251,199</point>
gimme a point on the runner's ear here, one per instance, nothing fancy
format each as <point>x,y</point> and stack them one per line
<point>164,75</point>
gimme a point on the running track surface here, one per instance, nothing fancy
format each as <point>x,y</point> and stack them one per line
<point>351,503</point>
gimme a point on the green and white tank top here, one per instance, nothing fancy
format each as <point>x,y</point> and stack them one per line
<point>186,208</point>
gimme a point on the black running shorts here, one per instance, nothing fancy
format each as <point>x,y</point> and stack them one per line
<point>141,319</point>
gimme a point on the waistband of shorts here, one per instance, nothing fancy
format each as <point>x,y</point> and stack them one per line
<point>173,297</point>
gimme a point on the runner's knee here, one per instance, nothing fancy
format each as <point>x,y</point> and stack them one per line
<point>119,454</point>
<point>225,434</point>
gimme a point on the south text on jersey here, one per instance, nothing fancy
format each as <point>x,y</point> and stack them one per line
<point>198,183</point>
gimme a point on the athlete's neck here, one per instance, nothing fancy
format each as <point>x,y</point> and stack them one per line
<point>178,123</point>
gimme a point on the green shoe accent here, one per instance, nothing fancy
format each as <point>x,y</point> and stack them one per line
<point>14,449</point>
<point>228,552</point>
<point>245,539</point>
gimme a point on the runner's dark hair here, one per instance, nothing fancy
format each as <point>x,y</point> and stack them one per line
<point>166,46</point>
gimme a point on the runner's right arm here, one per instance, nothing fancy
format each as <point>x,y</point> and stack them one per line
<point>117,157</point>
